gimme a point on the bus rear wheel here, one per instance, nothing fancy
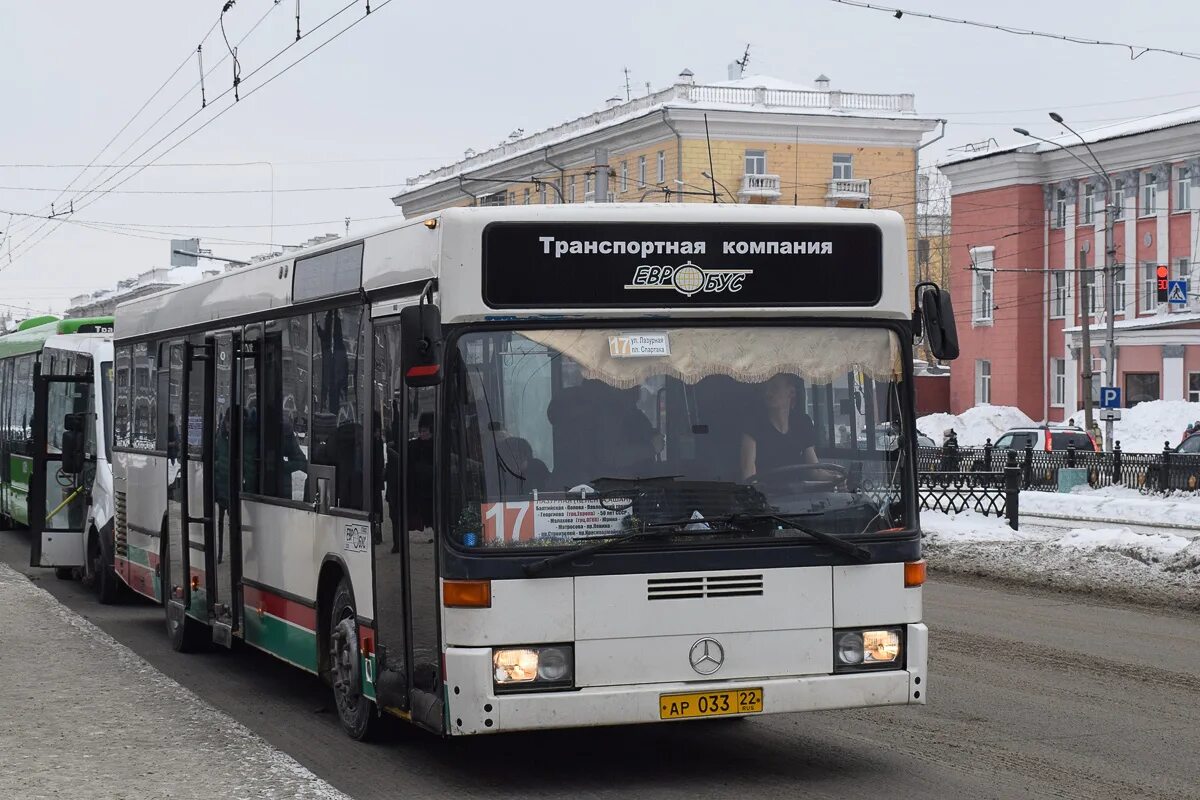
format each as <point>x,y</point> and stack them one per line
<point>101,575</point>
<point>355,711</point>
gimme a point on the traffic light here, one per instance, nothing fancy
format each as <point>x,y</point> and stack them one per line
<point>1163,277</point>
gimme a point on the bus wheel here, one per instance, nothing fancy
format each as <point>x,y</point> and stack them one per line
<point>186,634</point>
<point>356,712</point>
<point>103,577</point>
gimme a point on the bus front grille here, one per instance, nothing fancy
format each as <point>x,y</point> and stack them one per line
<point>696,587</point>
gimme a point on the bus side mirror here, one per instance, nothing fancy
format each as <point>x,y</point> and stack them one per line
<point>74,453</point>
<point>937,318</point>
<point>421,345</point>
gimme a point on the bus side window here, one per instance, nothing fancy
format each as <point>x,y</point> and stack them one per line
<point>121,369</point>
<point>338,402</point>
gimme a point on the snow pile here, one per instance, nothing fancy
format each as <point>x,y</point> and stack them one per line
<point>1155,567</point>
<point>1118,504</point>
<point>975,425</point>
<point>1144,428</point>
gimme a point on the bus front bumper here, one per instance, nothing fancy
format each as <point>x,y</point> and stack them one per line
<point>474,706</point>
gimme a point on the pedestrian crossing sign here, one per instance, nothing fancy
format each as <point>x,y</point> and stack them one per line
<point>1177,293</point>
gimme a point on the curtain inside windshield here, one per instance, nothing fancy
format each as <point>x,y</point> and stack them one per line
<point>562,436</point>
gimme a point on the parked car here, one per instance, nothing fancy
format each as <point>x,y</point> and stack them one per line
<point>1183,472</point>
<point>1046,437</point>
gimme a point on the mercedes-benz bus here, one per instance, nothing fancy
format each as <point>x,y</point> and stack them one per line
<point>503,469</point>
<point>55,475</point>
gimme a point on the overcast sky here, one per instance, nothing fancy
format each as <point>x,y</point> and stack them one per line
<point>414,84</point>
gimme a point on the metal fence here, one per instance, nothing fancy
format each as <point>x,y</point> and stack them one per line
<point>1151,473</point>
<point>989,492</point>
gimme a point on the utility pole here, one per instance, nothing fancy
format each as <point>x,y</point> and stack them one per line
<point>600,193</point>
<point>1086,373</point>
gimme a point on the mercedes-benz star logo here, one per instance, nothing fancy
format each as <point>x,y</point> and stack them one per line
<point>706,656</point>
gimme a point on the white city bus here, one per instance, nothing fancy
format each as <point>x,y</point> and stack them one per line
<point>518,468</point>
<point>56,476</point>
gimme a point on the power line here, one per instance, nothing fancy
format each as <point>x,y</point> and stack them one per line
<point>1136,51</point>
<point>218,115</point>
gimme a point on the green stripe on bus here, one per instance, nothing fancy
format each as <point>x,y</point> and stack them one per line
<point>137,555</point>
<point>297,645</point>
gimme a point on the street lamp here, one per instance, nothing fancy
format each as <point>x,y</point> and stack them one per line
<point>1108,270</point>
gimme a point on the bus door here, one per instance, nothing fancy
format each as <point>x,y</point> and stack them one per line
<point>64,466</point>
<point>392,552</point>
<point>223,473</point>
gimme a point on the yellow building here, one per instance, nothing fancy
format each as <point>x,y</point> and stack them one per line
<point>750,140</point>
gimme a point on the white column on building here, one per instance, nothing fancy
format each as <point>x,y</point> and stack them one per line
<point>1070,252</point>
<point>1162,218</point>
<point>1132,287</point>
<point>1071,396</point>
<point>1194,236</point>
<point>1172,372</point>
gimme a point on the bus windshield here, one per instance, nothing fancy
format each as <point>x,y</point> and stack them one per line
<point>566,436</point>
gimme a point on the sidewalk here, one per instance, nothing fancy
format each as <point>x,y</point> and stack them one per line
<point>81,716</point>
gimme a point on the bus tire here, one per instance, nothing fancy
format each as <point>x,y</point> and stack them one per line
<point>103,573</point>
<point>355,711</point>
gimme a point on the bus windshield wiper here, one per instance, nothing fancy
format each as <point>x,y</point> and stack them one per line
<point>855,551</point>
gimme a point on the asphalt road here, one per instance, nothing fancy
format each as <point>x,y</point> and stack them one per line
<point>1032,695</point>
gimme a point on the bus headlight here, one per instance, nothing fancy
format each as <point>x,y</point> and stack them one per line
<point>879,648</point>
<point>535,667</point>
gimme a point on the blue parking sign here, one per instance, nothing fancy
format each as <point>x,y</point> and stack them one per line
<point>1110,397</point>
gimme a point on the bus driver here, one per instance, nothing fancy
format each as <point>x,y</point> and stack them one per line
<point>776,439</point>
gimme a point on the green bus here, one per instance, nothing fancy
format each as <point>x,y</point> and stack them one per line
<point>20,353</point>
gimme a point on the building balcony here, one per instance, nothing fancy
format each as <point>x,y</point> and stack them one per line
<point>759,186</point>
<point>857,190</point>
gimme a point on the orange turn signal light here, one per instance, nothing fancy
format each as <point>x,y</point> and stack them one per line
<point>914,573</point>
<point>467,594</point>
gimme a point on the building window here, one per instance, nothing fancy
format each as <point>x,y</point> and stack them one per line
<point>1149,195</point>
<point>624,176</point>
<point>756,162</point>
<point>1058,294</point>
<point>982,260</point>
<point>512,198</point>
<point>983,382</point>
<point>493,199</point>
<point>1149,299</point>
<point>1058,381</point>
<point>587,184</point>
<point>1060,209</point>
<point>1140,387</point>
<point>1089,205</point>
<point>1119,291</point>
<point>541,193</point>
<point>571,190</point>
<point>1119,199</point>
<point>1183,189</point>
<point>843,167</point>
<point>1194,387</point>
<point>641,172</point>
<point>662,166</point>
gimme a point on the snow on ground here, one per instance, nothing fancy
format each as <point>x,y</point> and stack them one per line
<point>975,425</point>
<point>1144,428</point>
<point>1118,503</point>
<point>1158,568</point>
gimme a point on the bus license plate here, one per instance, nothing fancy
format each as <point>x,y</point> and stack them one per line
<point>711,704</point>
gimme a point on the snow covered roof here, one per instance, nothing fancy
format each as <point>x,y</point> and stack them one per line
<point>1115,130</point>
<point>755,93</point>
